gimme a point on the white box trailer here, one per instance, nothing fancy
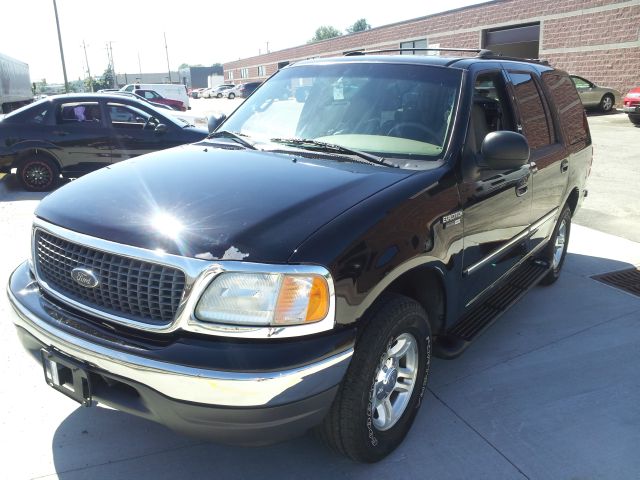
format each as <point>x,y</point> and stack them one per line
<point>15,84</point>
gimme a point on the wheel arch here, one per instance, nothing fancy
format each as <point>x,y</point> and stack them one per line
<point>572,199</point>
<point>424,284</point>
<point>35,151</point>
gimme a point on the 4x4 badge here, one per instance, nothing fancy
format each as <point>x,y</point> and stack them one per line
<point>85,277</point>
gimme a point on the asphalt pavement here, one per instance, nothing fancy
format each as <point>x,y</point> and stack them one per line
<point>549,392</point>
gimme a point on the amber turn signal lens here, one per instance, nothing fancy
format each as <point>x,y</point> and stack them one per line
<point>302,299</point>
<point>318,300</point>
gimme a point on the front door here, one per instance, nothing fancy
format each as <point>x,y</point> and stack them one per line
<point>133,131</point>
<point>496,203</point>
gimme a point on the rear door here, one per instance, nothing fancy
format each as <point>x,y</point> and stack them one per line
<point>81,135</point>
<point>548,160</point>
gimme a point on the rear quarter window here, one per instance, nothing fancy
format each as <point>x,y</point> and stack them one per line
<point>568,107</point>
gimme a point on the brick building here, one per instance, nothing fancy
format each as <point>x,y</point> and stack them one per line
<point>596,39</point>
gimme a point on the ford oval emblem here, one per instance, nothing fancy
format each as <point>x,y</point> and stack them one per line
<point>85,277</point>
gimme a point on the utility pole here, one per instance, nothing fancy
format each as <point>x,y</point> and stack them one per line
<point>113,66</point>
<point>139,66</point>
<point>167,52</point>
<point>267,46</point>
<point>86,59</point>
<point>64,67</point>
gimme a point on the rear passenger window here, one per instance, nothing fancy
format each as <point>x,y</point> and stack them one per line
<point>568,106</point>
<point>536,125</point>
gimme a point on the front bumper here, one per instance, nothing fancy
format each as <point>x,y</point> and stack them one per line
<point>240,407</point>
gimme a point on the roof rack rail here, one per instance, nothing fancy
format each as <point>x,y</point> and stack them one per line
<point>498,56</point>
<point>481,52</point>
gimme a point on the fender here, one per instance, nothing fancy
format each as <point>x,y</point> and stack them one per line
<point>18,149</point>
<point>382,238</point>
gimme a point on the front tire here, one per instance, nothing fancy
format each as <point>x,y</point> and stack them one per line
<point>232,96</point>
<point>385,384</point>
<point>635,119</point>
<point>556,251</point>
<point>38,173</point>
<point>606,103</point>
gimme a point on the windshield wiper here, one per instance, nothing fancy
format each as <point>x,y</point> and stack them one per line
<point>330,147</point>
<point>236,137</point>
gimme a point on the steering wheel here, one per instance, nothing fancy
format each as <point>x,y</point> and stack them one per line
<point>149,122</point>
<point>432,137</point>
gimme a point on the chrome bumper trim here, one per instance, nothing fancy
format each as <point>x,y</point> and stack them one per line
<point>210,387</point>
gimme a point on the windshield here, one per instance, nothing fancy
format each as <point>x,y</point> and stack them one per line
<point>394,110</point>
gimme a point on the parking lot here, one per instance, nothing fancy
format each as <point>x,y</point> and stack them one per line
<point>549,392</point>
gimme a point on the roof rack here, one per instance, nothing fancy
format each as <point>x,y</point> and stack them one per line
<point>498,56</point>
<point>481,52</point>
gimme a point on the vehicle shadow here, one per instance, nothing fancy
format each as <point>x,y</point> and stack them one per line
<point>101,443</point>
<point>12,191</point>
<point>596,112</point>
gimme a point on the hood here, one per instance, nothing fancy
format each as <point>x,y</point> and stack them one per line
<point>215,204</point>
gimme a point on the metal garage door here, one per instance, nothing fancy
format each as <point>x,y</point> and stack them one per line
<point>516,41</point>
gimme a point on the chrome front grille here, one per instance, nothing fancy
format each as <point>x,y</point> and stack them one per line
<point>133,289</point>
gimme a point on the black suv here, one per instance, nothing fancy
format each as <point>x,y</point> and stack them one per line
<point>300,266</point>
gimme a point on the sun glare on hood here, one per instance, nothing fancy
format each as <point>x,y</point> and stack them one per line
<point>167,225</point>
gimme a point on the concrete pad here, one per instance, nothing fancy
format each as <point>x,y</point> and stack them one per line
<point>547,314</point>
<point>439,445</point>
<point>599,252</point>
<point>566,411</point>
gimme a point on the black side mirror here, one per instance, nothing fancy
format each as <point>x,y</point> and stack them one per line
<point>215,119</point>
<point>160,128</point>
<point>505,150</point>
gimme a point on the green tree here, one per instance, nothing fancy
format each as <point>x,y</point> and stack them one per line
<point>325,32</point>
<point>183,65</point>
<point>217,68</point>
<point>359,26</point>
<point>108,78</point>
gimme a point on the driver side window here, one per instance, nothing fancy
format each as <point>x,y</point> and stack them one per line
<point>127,117</point>
<point>491,110</point>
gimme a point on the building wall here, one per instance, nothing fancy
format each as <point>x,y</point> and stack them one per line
<point>597,39</point>
<point>123,79</point>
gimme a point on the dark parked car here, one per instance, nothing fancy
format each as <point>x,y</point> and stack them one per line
<point>243,90</point>
<point>300,267</point>
<point>71,135</point>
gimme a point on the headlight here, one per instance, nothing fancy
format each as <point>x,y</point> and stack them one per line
<point>263,299</point>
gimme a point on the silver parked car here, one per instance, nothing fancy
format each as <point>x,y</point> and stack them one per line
<point>594,96</point>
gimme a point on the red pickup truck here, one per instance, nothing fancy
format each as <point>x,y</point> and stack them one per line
<point>155,97</point>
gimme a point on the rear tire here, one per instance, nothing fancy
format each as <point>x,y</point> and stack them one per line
<point>635,119</point>
<point>383,389</point>
<point>606,104</point>
<point>38,173</point>
<point>232,96</point>
<point>556,250</point>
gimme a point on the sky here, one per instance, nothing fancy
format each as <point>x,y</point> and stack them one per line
<point>197,31</point>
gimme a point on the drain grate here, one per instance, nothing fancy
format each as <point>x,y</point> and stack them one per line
<point>627,280</point>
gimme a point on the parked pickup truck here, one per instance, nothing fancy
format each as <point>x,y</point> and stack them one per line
<point>300,267</point>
